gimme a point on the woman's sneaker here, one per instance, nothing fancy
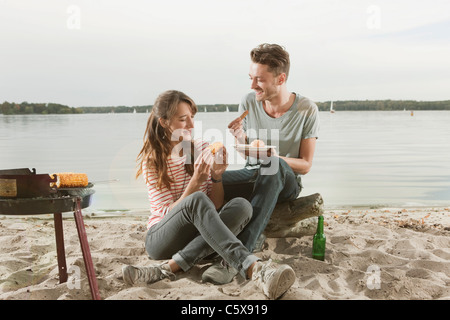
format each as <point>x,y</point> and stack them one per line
<point>273,280</point>
<point>150,274</point>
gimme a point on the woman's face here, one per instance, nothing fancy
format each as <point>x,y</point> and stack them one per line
<point>182,123</point>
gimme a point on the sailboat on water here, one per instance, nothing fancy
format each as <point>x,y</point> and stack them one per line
<point>331,107</point>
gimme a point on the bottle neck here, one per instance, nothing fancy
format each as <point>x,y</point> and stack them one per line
<point>320,225</point>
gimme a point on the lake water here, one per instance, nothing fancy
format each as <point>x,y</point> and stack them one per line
<point>362,158</point>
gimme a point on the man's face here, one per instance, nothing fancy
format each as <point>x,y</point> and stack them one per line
<point>264,82</point>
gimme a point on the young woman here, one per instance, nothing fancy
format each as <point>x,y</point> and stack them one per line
<point>183,178</point>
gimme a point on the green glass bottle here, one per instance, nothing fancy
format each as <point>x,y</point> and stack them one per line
<point>318,251</point>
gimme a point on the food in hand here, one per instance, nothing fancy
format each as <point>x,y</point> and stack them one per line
<point>257,143</point>
<point>244,114</point>
<point>70,180</point>
<point>216,146</point>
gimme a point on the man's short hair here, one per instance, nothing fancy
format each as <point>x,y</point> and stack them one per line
<point>272,55</point>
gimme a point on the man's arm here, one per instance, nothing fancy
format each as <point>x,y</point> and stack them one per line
<point>303,163</point>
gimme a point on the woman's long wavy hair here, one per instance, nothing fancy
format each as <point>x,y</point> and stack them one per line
<point>157,139</point>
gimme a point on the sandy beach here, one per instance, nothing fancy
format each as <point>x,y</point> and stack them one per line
<point>382,254</point>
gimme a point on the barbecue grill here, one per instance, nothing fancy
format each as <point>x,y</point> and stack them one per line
<point>24,192</point>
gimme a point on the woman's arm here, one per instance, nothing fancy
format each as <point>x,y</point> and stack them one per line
<point>202,168</point>
<point>217,193</point>
<point>217,169</point>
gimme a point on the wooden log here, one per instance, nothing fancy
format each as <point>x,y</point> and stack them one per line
<point>295,218</point>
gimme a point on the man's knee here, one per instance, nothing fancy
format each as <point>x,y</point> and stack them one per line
<point>275,169</point>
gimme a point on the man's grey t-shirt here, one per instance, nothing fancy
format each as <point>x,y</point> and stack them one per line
<point>301,121</point>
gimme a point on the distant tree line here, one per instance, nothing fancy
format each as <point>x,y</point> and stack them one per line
<point>117,109</point>
<point>384,105</point>
<point>143,109</point>
<point>37,108</point>
<point>9,108</point>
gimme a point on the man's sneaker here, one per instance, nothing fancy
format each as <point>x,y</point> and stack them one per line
<point>273,280</point>
<point>219,273</point>
<point>259,245</point>
<point>150,274</point>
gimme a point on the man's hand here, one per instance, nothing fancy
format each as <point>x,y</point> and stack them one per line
<point>237,130</point>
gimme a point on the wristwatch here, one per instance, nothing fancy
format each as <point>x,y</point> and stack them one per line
<point>215,181</point>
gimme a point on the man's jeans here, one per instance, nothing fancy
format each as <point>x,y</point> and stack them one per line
<point>263,191</point>
<point>193,230</point>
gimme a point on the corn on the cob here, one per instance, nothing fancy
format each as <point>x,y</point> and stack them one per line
<point>216,146</point>
<point>70,180</point>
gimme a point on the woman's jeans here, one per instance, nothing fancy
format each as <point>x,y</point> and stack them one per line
<point>193,229</point>
<point>264,189</point>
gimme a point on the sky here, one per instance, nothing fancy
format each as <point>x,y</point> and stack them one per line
<point>117,52</point>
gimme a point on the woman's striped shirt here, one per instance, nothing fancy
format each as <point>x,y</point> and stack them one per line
<point>161,199</point>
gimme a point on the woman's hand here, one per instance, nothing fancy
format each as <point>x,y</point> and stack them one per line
<point>208,163</point>
<point>220,163</point>
<point>202,166</point>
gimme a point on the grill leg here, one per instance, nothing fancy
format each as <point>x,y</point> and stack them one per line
<point>86,251</point>
<point>60,252</point>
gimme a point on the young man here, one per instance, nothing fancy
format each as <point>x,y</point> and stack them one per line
<point>278,117</point>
